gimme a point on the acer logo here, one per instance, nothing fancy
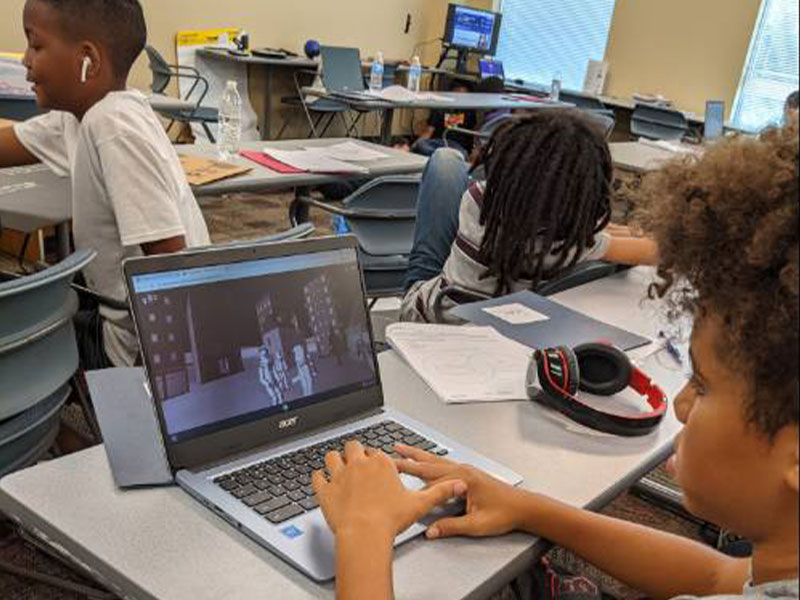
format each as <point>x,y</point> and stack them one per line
<point>288,423</point>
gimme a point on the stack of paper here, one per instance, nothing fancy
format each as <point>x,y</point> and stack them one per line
<point>314,160</point>
<point>463,364</point>
<point>349,152</point>
<point>398,93</point>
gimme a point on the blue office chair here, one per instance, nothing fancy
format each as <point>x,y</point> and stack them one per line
<point>163,74</point>
<point>656,123</point>
<point>382,215</point>
<point>606,120</point>
<point>582,101</point>
<point>578,275</point>
<point>19,109</point>
<point>38,361</point>
<point>320,113</point>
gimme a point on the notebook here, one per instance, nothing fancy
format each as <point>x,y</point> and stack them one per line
<point>538,322</point>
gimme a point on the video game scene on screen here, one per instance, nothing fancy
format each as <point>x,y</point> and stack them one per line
<point>293,338</point>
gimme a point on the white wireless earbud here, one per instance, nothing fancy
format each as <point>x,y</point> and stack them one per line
<point>87,63</point>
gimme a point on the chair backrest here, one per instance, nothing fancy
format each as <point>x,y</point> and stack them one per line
<point>580,274</point>
<point>38,351</point>
<point>162,73</point>
<point>297,233</point>
<point>657,123</point>
<point>378,237</point>
<point>19,109</point>
<point>581,101</point>
<point>341,69</point>
<point>606,120</point>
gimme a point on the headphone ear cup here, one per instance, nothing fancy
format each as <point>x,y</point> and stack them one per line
<point>558,371</point>
<point>605,370</point>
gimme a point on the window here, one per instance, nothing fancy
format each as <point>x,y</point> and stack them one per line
<point>543,38</point>
<point>770,72</point>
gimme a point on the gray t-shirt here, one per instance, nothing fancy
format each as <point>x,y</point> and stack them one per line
<point>778,590</point>
<point>128,189</point>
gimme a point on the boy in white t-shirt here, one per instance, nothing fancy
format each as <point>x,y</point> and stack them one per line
<point>129,194</point>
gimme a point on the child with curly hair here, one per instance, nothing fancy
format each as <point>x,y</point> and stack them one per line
<point>727,230</point>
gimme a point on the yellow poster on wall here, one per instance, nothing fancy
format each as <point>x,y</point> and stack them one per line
<point>206,37</point>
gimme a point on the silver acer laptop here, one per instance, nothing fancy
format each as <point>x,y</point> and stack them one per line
<point>260,361</point>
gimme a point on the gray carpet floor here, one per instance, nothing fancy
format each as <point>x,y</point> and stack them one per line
<point>248,216</point>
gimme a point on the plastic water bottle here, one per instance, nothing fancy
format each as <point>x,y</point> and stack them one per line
<point>230,122</point>
<point>555,88</point>
<point>376,74</point>
<point>415,75</point>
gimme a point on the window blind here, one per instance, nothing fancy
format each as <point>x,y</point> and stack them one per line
<point>771,69</point>
<point>542,38</point>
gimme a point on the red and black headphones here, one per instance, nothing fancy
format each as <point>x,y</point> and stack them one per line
<point>556,374</point>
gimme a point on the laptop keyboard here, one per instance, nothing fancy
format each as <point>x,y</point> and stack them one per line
<point>279,489</point>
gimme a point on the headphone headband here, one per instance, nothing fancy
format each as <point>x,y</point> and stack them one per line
<point>555,377</point>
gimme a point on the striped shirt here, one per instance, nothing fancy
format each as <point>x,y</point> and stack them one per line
<point>464,270</point>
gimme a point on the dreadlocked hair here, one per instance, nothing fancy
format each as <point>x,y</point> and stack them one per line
<point>548,193</point>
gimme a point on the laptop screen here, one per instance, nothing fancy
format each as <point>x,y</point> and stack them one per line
<point>229,344</point>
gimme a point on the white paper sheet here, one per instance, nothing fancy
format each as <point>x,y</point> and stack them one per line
<point>516,314</point>
<point>350,152</point>
<point>463,364</point>
<point>398,93</point>
<point>314,161</point>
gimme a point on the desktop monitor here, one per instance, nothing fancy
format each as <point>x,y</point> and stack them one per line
<point>715,120</point>
<point>491,68</point>
<point>472,30</point>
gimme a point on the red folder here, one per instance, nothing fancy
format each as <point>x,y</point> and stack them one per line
<point>267,161</point>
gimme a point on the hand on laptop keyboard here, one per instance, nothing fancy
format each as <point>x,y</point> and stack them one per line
<point>365,495</point>
<point>280,489</point>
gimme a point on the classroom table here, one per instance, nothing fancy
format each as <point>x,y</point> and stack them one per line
<point>160,544</point>
<point>32,198</point>
<point>262,179</point>
<point>638,157</point>
<point>447,101</point>
<point>269,66</point>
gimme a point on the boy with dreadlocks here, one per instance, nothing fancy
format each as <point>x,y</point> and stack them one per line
<point>129,194</point>
<point>727,229</point>
<point>544,206</point>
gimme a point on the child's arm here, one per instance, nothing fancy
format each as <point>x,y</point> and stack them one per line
<point>632,251</point>
<point>168,246</point>
<point>12,152</point>
<point>658,564</point>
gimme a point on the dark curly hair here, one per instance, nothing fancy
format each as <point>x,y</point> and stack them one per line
<point>119,25</point>
<point>548,193</point>
<point>727,229</point>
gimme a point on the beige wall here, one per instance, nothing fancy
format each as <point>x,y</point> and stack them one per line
<point>687,50</point>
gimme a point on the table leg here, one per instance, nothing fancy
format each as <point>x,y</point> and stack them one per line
<point>267,133</point>
<point>386,126</point>
<point>63,248</point>
<point>299,212</point>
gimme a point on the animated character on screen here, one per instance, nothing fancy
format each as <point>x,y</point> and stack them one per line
<point>304,377</point>
<point>267,378</point>
<point>282,372</point>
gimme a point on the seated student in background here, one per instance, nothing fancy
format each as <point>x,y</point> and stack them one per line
<point>543,208</point>
<point>727,229</point>
<point>432,137</point>
<point>791,107</point>
<point>129,194</point>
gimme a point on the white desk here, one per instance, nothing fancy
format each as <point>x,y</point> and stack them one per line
<point>262,179</point>
<point>162,544</point>
<point>637,157</point>
<point>447,101</point>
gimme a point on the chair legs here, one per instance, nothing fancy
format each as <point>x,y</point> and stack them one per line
<point>207,129</point>
<point>78,386</point>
